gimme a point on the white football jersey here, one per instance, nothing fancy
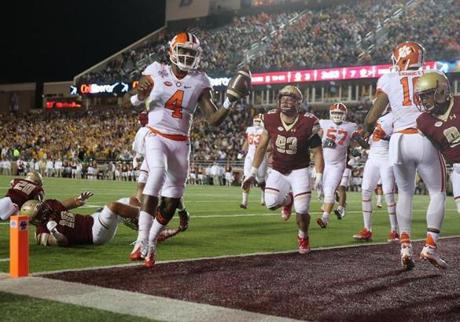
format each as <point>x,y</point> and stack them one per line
<point>341,135</point>
<point>173,101</point>
<point>399,87</point>
<point>253,134</point>
<point>139,140</point>
<point>379,140</point>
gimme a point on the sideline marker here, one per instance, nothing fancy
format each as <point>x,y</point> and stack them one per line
<point>19,246</point>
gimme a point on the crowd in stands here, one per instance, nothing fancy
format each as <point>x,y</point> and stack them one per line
<point>332,36</point>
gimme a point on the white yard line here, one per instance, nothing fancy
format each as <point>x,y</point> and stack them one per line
<point>4,260</point>
<point>124,302</point>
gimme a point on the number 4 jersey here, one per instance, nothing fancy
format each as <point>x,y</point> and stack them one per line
<point>173,101</point>
<point>291,142</point>
<point>336,139</point>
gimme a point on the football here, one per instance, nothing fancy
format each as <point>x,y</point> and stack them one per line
<point>240,85</point>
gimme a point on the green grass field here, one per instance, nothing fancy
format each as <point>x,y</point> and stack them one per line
<point>218,226</point>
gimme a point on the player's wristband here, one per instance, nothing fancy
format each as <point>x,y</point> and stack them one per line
<point>227,104</point>
<point>254,171</point>
<point>135,100</point>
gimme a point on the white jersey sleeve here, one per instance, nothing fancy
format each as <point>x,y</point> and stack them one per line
<point>399,87</point>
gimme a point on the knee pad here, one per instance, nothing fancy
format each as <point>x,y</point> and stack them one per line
<point>272,200</point>
<point>302,203</point>
<point>164,215</point>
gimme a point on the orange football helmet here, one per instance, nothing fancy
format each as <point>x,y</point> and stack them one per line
<point>409,54</point>
<point>338,112</point>
<point>185,51</point>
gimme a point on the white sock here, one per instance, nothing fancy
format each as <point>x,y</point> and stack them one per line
<point>145,223</point>
<point>154,231</point>
<point>262,196</point>
<point>458,205</point>
<point>379,199</point>
<point>393,222</point>
<point>302,234</point>
<point>245,198</point>
<point>325,217</point>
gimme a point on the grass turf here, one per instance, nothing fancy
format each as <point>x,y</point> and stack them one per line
<point>218,226</point>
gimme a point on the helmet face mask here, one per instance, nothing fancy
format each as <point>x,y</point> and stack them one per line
<point>432,93</point>
<point>185,51</point>
<point>34,177</point>
<point>257,120</point>
<point>289,100</point>
<point>338,113</point>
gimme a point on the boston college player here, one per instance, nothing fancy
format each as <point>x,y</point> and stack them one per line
<point>291,134</point>
<point>410,151</point>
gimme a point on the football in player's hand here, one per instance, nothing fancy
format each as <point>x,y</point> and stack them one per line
<point>144,87</point>
<point>240,85</point>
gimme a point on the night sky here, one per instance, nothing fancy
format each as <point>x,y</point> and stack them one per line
<point>54,40</point>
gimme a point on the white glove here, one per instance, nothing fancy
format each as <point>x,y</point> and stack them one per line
<point>239,156</point>
<point>51,226</point>
<point>83,197</point>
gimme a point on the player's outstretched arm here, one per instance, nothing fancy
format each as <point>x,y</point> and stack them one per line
<point>212,113</point>
<point>78,201</point>
<point>380,103</point>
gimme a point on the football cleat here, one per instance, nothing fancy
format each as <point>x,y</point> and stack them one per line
<point>304,245</point>
<point>407,261</point>
<point>430,254</point>
<point>340,213</point>
<point>286,211</point>
<point>138,252</point>
<point>184,218</point>
<point>364,235</point>
<point>321,223</point>
<point>379,205</point>
<point>149,261</point>
<point>243,206</point>
<point>393,236</point>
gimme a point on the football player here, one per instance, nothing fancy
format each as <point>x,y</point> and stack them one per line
<point>337,134</point>
<point>57,226</point>
<point>378,166</point>
<point>21,190</point>
<point>440,121</point>
<point>292,135</point>
<point>171,94</point>
<point>253,134</point>
<point>410,151</point>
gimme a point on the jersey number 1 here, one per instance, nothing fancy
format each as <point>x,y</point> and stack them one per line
<point>174,103</point>
<point>406,92</point>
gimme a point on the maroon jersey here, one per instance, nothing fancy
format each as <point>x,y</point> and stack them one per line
<point>23,190</point>
<point>291,143</point>
<point>78,229</point>
<point>444,131</point>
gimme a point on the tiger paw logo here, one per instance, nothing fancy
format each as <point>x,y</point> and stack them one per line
<point>405,51</point>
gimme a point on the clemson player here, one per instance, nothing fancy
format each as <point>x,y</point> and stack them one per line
<point>410,151</point>
<point>378,168</point>
<point>253,134</point>
<point>171,94</point>
<point>337,134</point>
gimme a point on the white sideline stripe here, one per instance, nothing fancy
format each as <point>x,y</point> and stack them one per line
<point>274,213</point>
<point>4,260</point>
<point>226,256</point>
<point>124,302</point>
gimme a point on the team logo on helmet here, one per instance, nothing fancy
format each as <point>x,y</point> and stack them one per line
<point>432,92</point>
<point>31,209</point>
<point>338,112</point>
<point>185,51</point>
<point>409,54</point>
